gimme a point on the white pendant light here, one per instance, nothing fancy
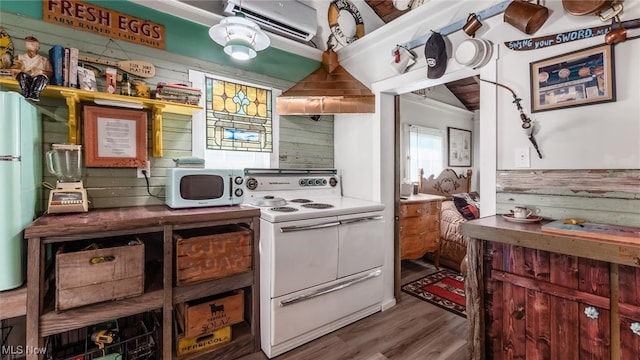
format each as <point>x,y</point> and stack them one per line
<point>241,37</point>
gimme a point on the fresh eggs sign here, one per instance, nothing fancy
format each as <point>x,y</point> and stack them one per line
<point>88,17</point>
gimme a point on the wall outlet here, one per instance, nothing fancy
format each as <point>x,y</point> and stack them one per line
<point>522,159</point>
<point>139,173</point>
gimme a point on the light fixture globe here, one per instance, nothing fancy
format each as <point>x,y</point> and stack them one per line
<point>241,37</point>
<point>240,49</point>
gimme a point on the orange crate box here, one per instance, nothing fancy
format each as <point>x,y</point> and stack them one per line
<point>205,315</point>
<point>211,253</point>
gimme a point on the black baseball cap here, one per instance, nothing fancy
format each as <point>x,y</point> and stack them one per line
<point>435,51</point>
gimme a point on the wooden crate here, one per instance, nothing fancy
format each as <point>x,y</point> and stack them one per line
<point>203,316</point>
<point>92,276</point>
<point>186,345</point>
<point>211,253</point>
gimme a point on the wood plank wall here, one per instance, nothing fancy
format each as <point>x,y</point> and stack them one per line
<point>303,142</point>
<point>599,196</point>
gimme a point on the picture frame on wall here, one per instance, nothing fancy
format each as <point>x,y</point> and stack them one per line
<point>458,147</point>
<point>114,137</point>
<point>578,78</point>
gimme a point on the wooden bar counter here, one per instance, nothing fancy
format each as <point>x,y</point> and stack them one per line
<point>155,226</point>
<point>538,295</point>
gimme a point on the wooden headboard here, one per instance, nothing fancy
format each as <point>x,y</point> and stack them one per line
<point>446,184</point>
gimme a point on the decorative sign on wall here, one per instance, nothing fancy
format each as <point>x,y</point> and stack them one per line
<point>83,16</point>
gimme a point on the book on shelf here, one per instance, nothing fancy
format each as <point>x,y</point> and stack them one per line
<point>65,67</point>
<point>56,58</point>
<point>73,67</point>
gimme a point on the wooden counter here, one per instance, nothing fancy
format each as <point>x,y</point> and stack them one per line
<point>533,294</point>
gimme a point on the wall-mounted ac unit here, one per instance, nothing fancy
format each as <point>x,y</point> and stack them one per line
<point>289,18</point>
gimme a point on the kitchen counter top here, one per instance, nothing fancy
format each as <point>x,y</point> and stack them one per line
<point>132,217</point>
<point>420,198</point>
<point>530,235</point>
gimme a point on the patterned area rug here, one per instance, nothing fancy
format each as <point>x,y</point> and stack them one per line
<point>444,289</point>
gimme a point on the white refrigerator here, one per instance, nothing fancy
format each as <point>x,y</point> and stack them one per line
<point>20,182</point>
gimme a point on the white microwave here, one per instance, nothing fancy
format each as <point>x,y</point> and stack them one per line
<point>199,187</point>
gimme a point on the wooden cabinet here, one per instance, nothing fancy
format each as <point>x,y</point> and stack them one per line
<point>420,226</point>
<point>155,225</point>
<point>547,296</point>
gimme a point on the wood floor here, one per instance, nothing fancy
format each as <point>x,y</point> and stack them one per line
<point>411,330</point>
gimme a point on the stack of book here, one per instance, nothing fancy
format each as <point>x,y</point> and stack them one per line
<point>64,62</point>
<point>178,93</point>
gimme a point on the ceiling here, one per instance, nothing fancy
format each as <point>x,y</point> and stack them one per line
<point>375,14</point>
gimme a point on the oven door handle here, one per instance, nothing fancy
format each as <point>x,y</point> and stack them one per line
<point>330,289</point>
<point>285,229</point>
<point>362,219</point>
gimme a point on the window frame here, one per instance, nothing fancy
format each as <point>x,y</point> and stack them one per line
<point>406,148</point>
<point>216,158</point>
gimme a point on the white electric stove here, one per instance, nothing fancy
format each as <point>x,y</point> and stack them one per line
<point>321,255</point>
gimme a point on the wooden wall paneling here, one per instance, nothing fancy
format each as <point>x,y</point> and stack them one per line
<point>538,311</point>
<point>514,326</point>
<point>303,143</point>
<point>600,196</point>
<point>595,334</point>
<point>629,309</point>
<point>494,307</point>
<point>564,312</point>
<point>306,143</point>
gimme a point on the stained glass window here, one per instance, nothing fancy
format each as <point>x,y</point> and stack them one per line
<point>238,117</point>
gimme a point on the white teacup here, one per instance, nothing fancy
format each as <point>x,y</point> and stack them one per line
<point>521,212</point>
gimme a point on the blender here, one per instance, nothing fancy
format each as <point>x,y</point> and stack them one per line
<point>64,161</point>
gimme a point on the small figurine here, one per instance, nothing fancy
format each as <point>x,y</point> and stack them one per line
<point>33,70</point>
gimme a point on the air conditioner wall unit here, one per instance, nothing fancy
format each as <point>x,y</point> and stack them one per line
<point>289,18</point>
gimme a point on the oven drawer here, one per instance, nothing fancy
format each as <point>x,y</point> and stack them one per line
<point>361,238</point>
<point>304,311</point>
<point>303,254</point>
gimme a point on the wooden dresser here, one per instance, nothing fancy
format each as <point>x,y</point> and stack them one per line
<point>548,296</point>
<point>420,226</point>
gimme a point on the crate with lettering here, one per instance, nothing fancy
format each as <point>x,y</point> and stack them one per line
<point>211,253</point>
<point>202,316</point>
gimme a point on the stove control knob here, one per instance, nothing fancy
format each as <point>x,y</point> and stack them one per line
<point>301,182</point>
<point>252,183</point>
<point>324,181</point>
<point>239,192</point>
<point>238,180</point>
<point>333,182</point>
<point>318,181</point>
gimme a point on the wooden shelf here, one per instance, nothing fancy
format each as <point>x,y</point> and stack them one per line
<point>53,323</point>
<point>13,303</point>
<point>187,293</point>
<point>73,98</point>
<point>159,222</point>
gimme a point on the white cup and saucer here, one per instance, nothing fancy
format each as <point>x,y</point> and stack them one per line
<point>521,214</point>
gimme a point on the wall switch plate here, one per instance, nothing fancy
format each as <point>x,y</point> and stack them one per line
<point>139,173</point>
<point>522,159</point>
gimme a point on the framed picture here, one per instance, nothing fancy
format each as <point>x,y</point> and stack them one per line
<point>459,147</point>
<point>114,137</point>
<point>582,77</point>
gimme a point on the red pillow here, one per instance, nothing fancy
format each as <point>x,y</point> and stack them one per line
<point>468,204</point>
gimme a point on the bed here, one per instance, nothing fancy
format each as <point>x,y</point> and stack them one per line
<point>453,245</point>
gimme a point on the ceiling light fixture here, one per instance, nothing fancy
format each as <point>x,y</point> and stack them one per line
<point>241,37</point>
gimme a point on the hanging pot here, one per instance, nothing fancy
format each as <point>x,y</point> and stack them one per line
<point>525,16</point>
<point>589,7</point>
